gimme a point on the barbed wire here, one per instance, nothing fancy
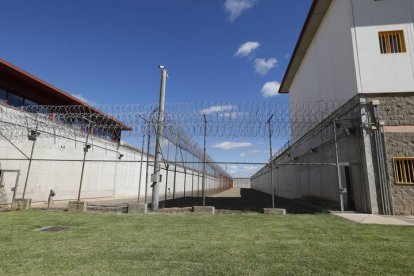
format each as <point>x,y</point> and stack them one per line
<point>223,120</point>
<point>64,126</point>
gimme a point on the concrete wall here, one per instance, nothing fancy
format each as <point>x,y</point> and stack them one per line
<point>243,183</point>
<point>303,172</point>
<point>319,182</point>
<point>379,73</point>
<point>60,152</point>
<point>397,113</point>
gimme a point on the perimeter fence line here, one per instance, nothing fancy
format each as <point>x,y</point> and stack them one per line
<point>96,129</point>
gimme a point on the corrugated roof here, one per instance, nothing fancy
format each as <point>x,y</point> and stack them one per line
<point>64,97</point>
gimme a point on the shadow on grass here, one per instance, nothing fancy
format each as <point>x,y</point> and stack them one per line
<point>249,201</point>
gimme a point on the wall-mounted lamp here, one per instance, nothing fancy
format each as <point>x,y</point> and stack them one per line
<point>349,131</point>
<point>33,134</point>
<point>87,147</point>
<point>120,156</point>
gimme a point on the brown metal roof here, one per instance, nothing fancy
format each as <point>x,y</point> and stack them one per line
<point>314,19</point>
<point>33,88</point>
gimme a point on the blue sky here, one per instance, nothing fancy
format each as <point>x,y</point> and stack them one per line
<point>107,52</point>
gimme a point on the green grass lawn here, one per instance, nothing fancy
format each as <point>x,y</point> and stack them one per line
<point>104,244</point>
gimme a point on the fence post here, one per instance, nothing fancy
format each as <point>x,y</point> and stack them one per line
<point>269,122</point>
<point>338,168</point>
<point>142,159</point>
<point>204,163</point>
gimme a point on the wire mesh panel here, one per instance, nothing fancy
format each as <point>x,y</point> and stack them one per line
<point>118,135</point>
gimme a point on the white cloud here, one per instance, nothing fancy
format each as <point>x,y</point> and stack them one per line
<point>227,111</point>
<point>232,114</point>
<point>80,97</point>
<point>270,89</point>
<point>251,152</point>
<point>236,8</point>
<point>217,109</point>
<point>231,145</point>
<point>247,48</point>
<point>263,66</point>
<point>83,99</point>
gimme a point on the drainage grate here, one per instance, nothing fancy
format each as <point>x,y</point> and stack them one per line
<point>53,228</point>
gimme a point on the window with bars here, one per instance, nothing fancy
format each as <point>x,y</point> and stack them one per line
<point>403,170</point>
<point>392,42</point>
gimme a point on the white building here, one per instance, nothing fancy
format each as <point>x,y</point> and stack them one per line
<point>360,52</point>
<point>112,168</point>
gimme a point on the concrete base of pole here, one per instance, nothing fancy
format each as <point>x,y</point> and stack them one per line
<point>21,204</point>
<point>75,206</point>
<point>204,209</point>
<point>274,211</point>
<point>135,208</point>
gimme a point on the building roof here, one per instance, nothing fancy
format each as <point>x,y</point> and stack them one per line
<point>33,88</point>
<point>314,19</point>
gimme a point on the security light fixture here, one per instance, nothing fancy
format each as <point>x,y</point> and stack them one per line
<point>87,147</point>
<point>375,102</point>
<point>348,131</point>
<point>120,156</point>
<point>33,134</point>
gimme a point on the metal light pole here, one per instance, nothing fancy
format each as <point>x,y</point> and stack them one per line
<point>85,151</point>
<point>175,169</point>
<point>269,122</point>
<point>32,136</point>
<point>142,160</point>
<point>203,187</point>
<point>156,178</point>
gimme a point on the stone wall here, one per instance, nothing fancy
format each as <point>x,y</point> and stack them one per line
<point>398,110</point>
<point>400,145</point>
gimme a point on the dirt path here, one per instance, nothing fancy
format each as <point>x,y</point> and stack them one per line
<point>246,200</point>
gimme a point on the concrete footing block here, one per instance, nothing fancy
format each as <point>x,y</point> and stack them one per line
<point>274,211</point>
<point>135,208</point>
<point>75,206</point>
<point>21,204</point>
<point>204,209</point>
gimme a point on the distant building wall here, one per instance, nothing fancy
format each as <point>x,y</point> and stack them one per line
<point>243,183</point>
